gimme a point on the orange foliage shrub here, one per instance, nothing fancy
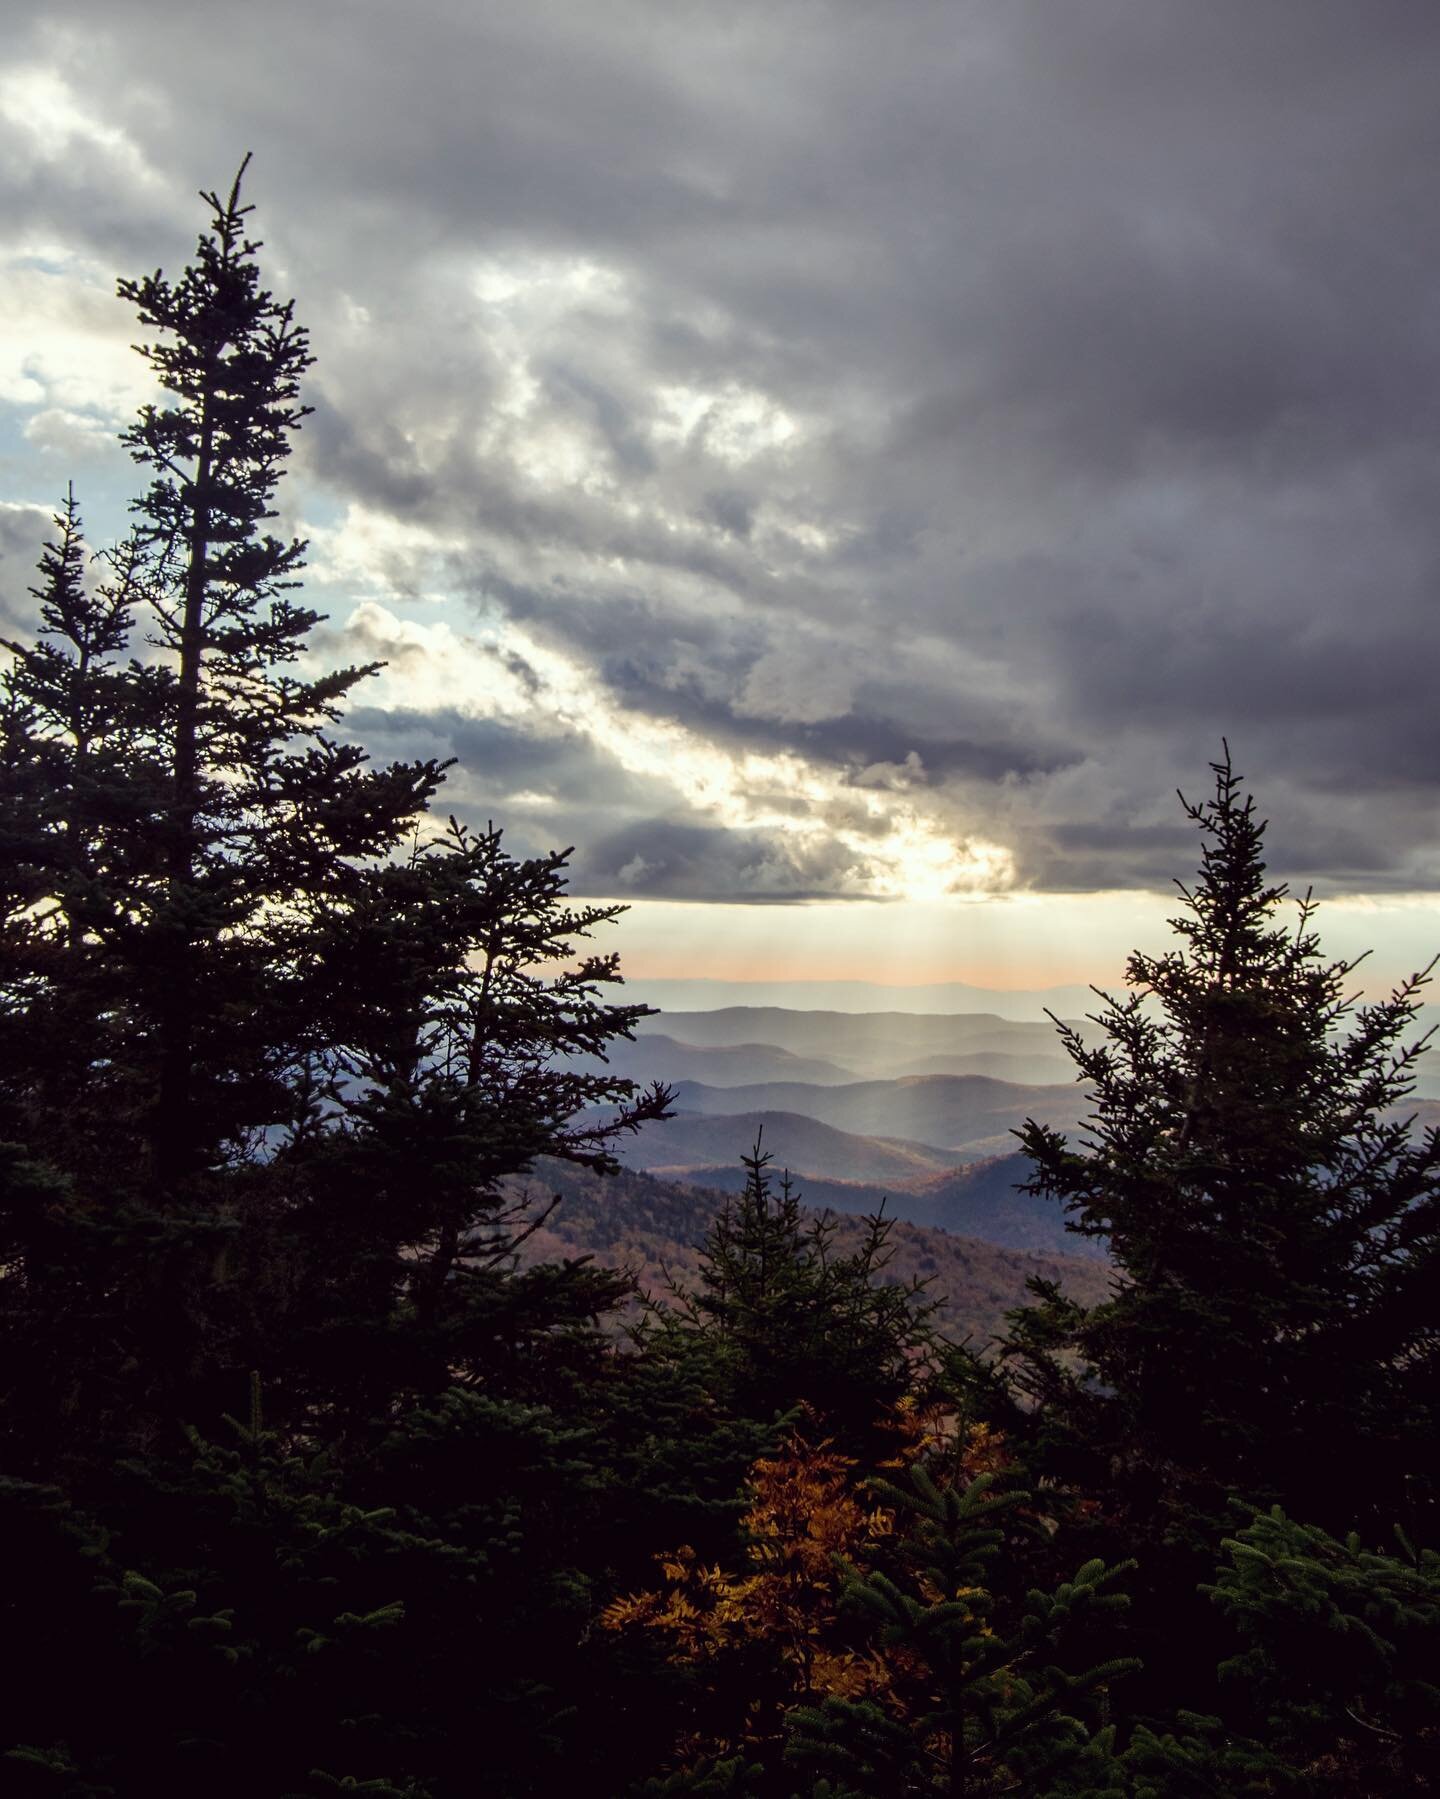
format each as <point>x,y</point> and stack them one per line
<point>804,1512</point>
<point>808,1527</point>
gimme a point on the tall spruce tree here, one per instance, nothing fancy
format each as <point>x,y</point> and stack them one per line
<point>1275,1226</point>
<point>263,807</point>
<point>194,794</point>
<point>270,1051</point>
<point>219,950</point>
<point>784,1320</point>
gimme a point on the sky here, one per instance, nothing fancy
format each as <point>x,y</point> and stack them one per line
<point>839,467</point>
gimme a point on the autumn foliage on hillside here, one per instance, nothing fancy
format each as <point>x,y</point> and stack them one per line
<point>654,1230</point>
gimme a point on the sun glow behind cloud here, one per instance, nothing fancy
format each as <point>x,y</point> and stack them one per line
<point>1015,941</point>
<point>897,849</point>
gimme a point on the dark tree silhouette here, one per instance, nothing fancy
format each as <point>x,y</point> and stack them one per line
<point>1275,1226</point>
<point>230,967</point>
<point>1275,1222</point>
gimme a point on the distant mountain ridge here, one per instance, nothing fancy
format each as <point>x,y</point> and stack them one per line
<point>998,1065</point>
<point>654,1056</point>
<point>693,1140</point>
<point>928,1123</point>
<point>1071,999</point>
<point>982,1200</point>
<point>946,1111</point>
<point>657,1056</point>
<point>871,1043</point>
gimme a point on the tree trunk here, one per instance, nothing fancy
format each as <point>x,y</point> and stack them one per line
<point>173,1134</point>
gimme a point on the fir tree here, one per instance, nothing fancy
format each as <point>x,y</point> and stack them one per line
<point>195,794</point>
<point>274,1054</point>
<point>787,1321</point>
<point>976,1698</point>
<point>80,781</point>
<point>232,984</point>
<point>1274,1221</point>
<point>263,806</point>
<point>1337,1657</point>
<point>1275,1226</point>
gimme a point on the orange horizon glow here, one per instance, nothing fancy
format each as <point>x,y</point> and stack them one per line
<point>638,967</point>
<point>1009,944</point>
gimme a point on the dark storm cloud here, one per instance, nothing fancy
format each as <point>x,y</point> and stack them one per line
<point>557,792</point>
<point>1020,396</point>
<point>546,786</point>
<point>885,722</point>
<point>666,859</point>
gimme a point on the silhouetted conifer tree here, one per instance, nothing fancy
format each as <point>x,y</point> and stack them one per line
<point>1275,1222</point>
<point>1275,1226</point>
<point>268,1056</point>
<point>785,1320</point>
<point>217,953</point>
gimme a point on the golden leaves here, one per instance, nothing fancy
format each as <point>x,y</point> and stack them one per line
<point>804,1513</point>
<point>772,1629</point>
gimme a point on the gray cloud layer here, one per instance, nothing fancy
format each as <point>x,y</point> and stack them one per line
<point>1034,392</point>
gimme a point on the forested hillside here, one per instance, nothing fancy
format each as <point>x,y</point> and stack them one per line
<point>983,1200</point>
<point>657,1231</point>
<point>328,1465</point>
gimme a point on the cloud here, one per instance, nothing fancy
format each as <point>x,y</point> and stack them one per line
<point>816,443</point>
<point>24,530</point>
<point>663,859</point>
<point>799,683</point>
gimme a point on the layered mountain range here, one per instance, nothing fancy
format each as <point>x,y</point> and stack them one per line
<point>912,1111</point>
<point>918,1111</point>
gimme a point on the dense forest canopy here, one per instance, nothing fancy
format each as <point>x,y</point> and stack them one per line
<point>313,1482</point>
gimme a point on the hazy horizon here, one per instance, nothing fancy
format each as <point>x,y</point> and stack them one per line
<point>1022,946</point>
<point>858,996</point>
